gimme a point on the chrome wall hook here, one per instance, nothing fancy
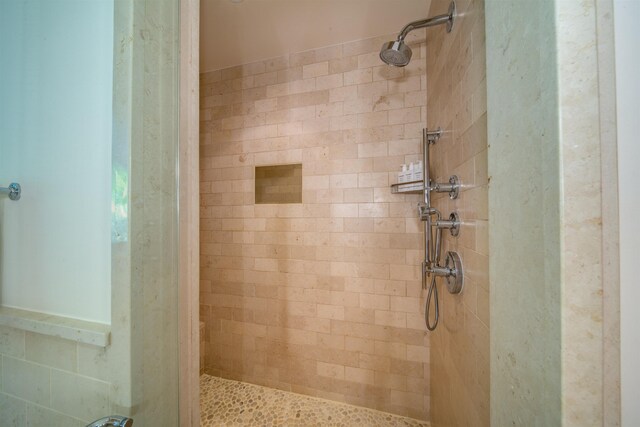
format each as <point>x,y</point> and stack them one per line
<point>433,135</point>
<point>13,191</point>
<point>452,224</point>
<point>452,187</point>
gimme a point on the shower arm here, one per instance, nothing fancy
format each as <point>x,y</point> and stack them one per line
<point>446,18</point>
<point>429,22</point>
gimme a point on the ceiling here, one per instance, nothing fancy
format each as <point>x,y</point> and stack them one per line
<point>239,32</point>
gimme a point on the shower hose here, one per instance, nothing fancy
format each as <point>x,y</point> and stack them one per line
<point>433,293</point>
<point>433,289</point>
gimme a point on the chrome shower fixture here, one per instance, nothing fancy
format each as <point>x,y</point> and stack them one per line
<point>112,421</point>
<point>452,270</point>
<point>13,191</point>
<point>397,53</point>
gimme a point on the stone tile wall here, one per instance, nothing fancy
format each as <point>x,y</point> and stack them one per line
<point>53,379</point>
<point>456,102</point>
<point>323,297</point>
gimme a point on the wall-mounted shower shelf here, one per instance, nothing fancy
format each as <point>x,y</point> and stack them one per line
<point>411,187</point>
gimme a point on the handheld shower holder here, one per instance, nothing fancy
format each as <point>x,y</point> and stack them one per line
<point>424,211</point>
<point>433,135</point>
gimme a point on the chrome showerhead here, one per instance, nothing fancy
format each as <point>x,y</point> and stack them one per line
<point>395,53</point>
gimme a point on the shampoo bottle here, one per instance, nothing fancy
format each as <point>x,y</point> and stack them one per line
<point>402,175</point>
<point>417,172</point>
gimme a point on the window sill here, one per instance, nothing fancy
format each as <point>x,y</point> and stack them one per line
<point>81,331</point>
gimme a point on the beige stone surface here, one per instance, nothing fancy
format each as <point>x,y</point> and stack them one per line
<point>39,416</point>
<point>323,297</point>
<point>582,262</point>
<point>13,410</point>
<point>525,246</point>
<point>51,351</point>
<point>190,337</point>
<point>456,102</point>
<point>610,222</point>
<point>26,380</point>
<point>560,365</point>
<point>153,215</point>
<point>78,396</point>
<point>56,326</point>
<point>47,377</point>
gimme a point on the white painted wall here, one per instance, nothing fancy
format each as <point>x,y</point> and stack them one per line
<point>627,45</point>
<point>56,61</point>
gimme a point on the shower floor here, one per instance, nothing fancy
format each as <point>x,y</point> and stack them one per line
<point>233,403</point>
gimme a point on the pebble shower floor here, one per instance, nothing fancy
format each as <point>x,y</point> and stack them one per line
<point>233,403</point>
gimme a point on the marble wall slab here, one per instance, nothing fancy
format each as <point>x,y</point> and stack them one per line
<point>551,132</point>
<point>525,244</point>
<point>456,102</point>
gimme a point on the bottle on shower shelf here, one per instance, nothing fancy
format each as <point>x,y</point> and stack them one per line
<point>417,171</point>
<point>402,175</point>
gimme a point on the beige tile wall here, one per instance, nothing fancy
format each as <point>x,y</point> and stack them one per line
<point>54,379</point>
<point>323,297</point>
<point>456,89</point>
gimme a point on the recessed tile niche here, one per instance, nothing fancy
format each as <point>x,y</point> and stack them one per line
<point>279,184</point>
